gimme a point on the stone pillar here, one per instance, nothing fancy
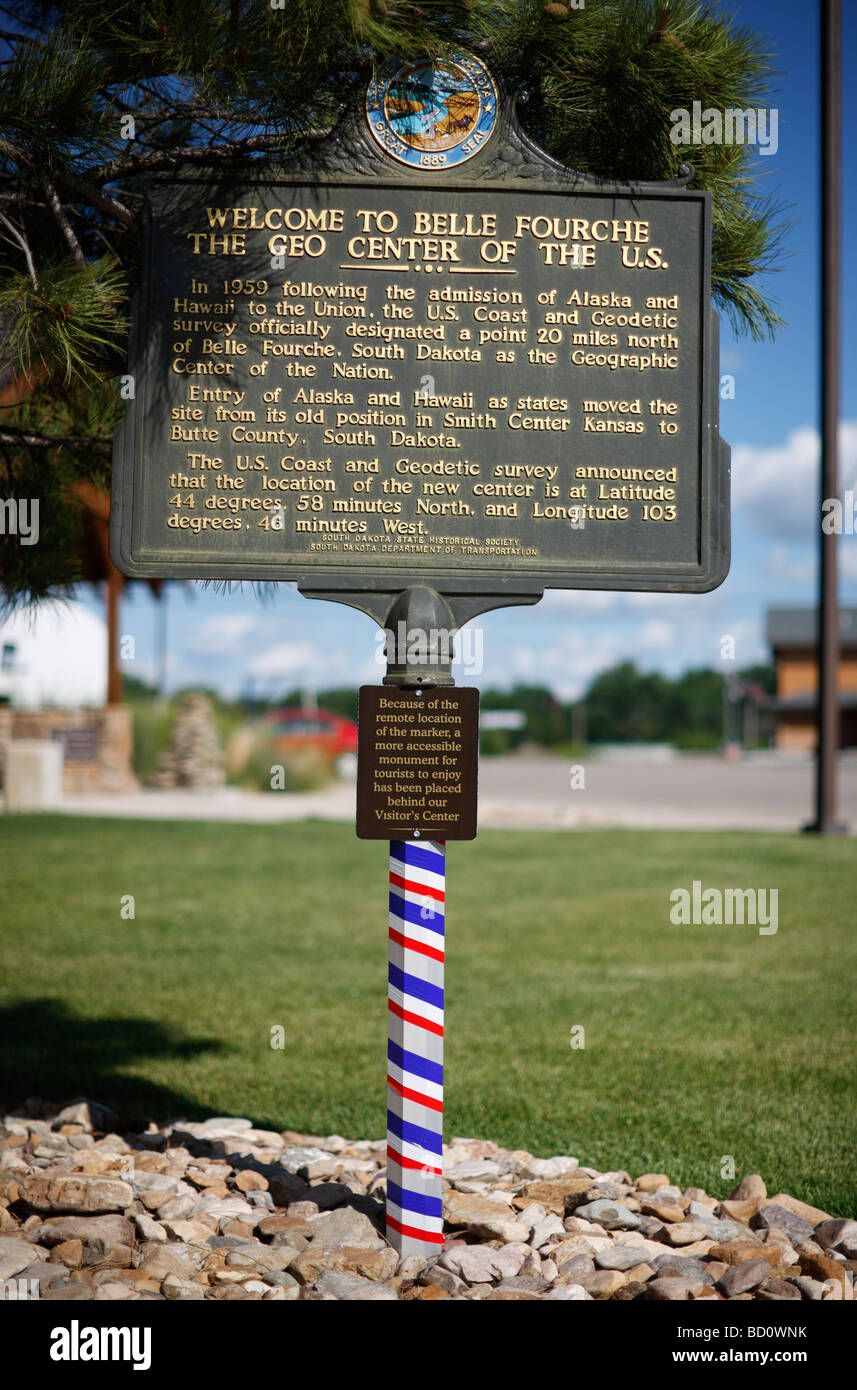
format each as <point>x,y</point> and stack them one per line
<point>33,779</point>
<point>116,749</point>
<point>194,757</point>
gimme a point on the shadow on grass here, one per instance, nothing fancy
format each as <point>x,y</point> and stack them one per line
<point>49,1051</point>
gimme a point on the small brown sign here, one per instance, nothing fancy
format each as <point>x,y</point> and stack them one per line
<point>416,763</point>
<point>79,745</point>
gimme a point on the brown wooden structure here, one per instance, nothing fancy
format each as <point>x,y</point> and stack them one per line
<point>792,634</point>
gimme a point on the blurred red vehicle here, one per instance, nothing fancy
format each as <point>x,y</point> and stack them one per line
<point>331,734</point>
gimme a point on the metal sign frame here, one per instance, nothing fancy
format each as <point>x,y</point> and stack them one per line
<point>509,160</point>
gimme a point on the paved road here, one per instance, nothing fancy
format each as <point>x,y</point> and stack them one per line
<point>755,793</point>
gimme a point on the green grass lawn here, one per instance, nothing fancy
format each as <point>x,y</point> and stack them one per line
<point>701,1041</point>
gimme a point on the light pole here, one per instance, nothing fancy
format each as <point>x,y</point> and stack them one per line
<point>831,283</point>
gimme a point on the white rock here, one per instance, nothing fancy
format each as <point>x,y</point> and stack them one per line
<point>182,1290</point>
<point>148,1228</point>
<point>189,1232</point>
<point>574,1244</point>
<point>159,1182</point>
<point>333,1144</point>
<point>317,1162</point>
<point>549,1168</point>
<point>532,1214</point>
<point>10,1158</point>
<point>576,1225</point>
<point>226,1206</point>
<point>260,1139</point>
<point>253,1220</point>
<point>517,1248</point>
<point>480,1264</point>
<point>229,1124</point>
<point>17,1256</point>
<point>332,1283</point>
<point>472,1169</point>
<point>177,1208</point>
<point>649,1249</point>
<point>550,1226</point>
<point>507,1231</point>
<point>810,1288</point>
<point>685,1233</point>
<point>500,1194</point>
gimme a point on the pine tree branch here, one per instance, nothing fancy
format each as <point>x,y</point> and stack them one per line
<point>53,441</point>
<point>99,232</point>
<point>30,23</point>
<point>65,226</point>
<point>20,200</point>
<point>24,245</point>
<point>12,152</point>
<point>164,159</point>
<point>11,37</point>
<point>100,199</point>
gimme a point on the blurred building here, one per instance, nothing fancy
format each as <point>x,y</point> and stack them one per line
<point>791,633</point>
<point>53,659</point>
<point>53,654</point>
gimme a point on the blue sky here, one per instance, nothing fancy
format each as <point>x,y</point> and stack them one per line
<point>237,641</point>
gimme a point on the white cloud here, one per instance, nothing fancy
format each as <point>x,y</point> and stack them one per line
<point>775,487</point>
<point>567,665</point>
<point>281,661</point>
<point>657,635</point>
<point>371,672</point>
<point>684,632</point>
<point>525,663</point>
<point>795,564</point>
<point>220,633</point>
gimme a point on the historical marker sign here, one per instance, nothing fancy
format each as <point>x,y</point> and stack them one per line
<point>433,356</point>
<point>427,372</point>
<point>416,763</point>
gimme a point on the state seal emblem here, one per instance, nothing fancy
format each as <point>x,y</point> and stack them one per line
<point>433,114</point>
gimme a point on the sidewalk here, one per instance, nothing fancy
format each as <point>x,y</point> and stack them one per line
<point>538,792</point>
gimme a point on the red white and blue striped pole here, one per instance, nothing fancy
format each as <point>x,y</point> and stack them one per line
<point>415,1046</point>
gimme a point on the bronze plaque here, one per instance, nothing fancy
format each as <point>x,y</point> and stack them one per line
<point>417,756</point>
<point>379,369</point>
